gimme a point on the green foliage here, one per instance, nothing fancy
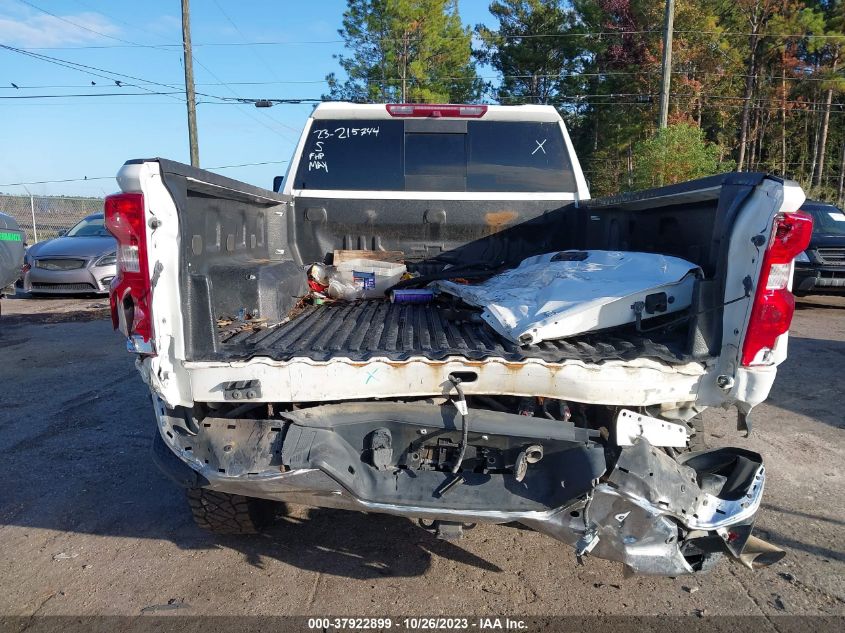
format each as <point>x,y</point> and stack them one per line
<point>777,64</point>
<point>405,50</point>
<point>533,69</point>
<point>677,153</point>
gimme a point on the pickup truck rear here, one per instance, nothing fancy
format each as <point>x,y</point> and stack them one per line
<point>264,395</point>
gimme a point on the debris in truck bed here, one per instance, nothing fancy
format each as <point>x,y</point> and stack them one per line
<point>557,295</point>
<point>341,257</point>
<point>229,326</point>
<point>412,295</point>
<point>363,279</point>
<point>318,277</point>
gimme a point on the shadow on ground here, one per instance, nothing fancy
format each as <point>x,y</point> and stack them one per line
<point>805,382</point>
<point>120,494</point>
<point>823,302</point>
<point>23,308</point>
<point>76,437</point>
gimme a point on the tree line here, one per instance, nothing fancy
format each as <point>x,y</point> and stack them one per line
<point>757,85</point>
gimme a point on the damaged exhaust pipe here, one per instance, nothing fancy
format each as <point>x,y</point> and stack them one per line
<point>751,551</point>
<point>758,553</point>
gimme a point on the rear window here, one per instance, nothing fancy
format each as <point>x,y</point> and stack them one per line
<point>434,155</point>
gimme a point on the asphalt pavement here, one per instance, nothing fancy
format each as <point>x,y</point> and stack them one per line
<point>88,526</point>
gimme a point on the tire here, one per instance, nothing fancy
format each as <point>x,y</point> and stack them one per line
<point>222,513</point>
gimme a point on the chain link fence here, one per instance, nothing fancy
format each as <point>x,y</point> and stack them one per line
<point>45,217</point>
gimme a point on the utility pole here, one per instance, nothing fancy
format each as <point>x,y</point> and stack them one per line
<point>190,95</point>
<point>668,24</point>
<point>32,210</point>
<point>405,67</point>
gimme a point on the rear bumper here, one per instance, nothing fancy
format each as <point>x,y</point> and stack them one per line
<point>651,512</point>
<point>822,279</point>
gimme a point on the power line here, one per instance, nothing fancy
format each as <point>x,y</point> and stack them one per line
<point>90,70</point>
<point>135,44</point>
<point>575,75</point>
<point>72,23</point>
<point>51,182</point>
<point>78,104</point>
<point>266,162</point>
<point>133,26</point>
<point>84,179</point>
<point>585,34</point>
<point>130,43</point>
<point>243,37</point>
<point>99,94</point>
<point>240,99</point>
<point>263,61</point>
<point>90,30</point>
<point>98,72</point>
<point>642,97</point>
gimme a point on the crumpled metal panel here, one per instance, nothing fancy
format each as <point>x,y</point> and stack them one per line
<point>638,535</point>
<point>650,474</point>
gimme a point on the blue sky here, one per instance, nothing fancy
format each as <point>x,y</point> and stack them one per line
<point>63,138</point>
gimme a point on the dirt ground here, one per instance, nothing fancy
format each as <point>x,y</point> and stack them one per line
<point>88,526</point>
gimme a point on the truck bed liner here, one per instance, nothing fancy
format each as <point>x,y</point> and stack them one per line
<point>372,329</point>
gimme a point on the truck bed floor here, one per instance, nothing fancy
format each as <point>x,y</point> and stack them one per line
<point>369,329</point>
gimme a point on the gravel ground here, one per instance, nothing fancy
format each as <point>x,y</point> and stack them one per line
<point>89,527</point>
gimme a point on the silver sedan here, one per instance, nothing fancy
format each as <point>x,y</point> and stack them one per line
<point>82,261</point>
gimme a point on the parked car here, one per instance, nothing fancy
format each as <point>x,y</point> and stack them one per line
<point>82,261</point>
<point>821,268</point>
<point>11,253</point>
<point>422,406</point>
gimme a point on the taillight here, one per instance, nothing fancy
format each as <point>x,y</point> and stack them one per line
<point>130,292</point>
<point>435,110</point>
<point>774,304</point>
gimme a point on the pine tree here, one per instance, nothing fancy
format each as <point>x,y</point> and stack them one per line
<point>535,48</point>
<point>406,51</point>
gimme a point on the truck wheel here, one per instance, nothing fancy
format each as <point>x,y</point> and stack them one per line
<point>223,513</point>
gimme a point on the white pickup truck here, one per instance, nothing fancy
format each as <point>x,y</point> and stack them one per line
<point>423,410</point>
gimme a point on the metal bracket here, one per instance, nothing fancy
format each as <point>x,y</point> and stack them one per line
<point>242,390</point>
<point>631,425</point>
<point>586,544</point>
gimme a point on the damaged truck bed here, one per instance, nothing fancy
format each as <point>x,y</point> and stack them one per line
<point>458,409</point>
